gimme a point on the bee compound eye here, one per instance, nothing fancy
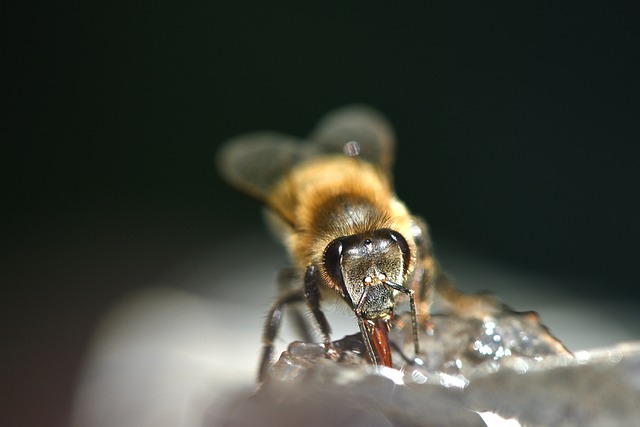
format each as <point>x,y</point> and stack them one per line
<point>332,260</point>
<point>403,245</point>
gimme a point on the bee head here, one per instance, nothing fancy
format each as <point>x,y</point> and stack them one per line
<point>370,259</point>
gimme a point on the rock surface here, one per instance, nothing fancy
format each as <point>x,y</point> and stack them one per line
<point>494,361</point>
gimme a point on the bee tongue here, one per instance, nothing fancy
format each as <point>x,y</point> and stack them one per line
<point>380,340</point>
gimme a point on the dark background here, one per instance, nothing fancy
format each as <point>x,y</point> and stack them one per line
<point>517,126</point>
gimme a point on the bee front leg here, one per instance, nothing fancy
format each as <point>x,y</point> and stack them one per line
<point>289,279</point>
<point>271,328</point>
<point>312,294</point>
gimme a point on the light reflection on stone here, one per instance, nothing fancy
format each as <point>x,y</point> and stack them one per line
<point>506,363</point>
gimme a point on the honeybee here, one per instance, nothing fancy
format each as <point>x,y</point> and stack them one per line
<point>331,200</point>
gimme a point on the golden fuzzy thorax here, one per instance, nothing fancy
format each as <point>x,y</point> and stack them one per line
<point>331,197</point>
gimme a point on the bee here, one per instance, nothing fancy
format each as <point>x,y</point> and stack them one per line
<point>330,199</point>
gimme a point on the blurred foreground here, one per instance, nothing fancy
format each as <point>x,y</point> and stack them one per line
<point>186,354</point>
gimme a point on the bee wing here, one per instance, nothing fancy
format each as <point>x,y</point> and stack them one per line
<point>255,162</point>
<point>366,126</point>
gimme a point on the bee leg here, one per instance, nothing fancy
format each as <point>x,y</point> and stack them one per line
<point>288,280</point>
<point>468,306</point>
<point>312,294</point>
<point>426,268</point>
<point>271,328</point>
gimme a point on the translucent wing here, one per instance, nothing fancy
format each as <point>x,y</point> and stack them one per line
<point>255,162</point>
<point>366,126</point>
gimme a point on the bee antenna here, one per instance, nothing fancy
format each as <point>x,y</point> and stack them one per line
<point>412,306</point>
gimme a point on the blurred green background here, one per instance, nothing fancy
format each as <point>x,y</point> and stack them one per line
<point>517,126</point>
